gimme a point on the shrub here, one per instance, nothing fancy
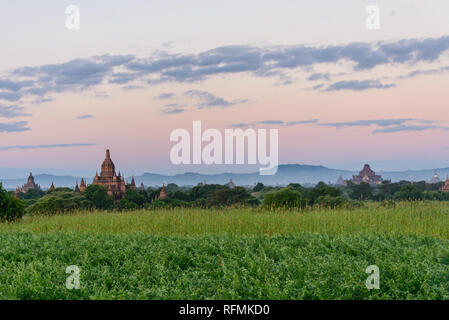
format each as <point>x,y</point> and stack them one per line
<point>362,191</point>
<point>167,203</point>
<point>284,198</point>
<point>409,192</point>
<point>98,196</point>
<point>332,202</point>
<point>32,194</point>
<point>320,190</point>
<point>58,202</point>
<point>10,208</point>
<point>132,199</point>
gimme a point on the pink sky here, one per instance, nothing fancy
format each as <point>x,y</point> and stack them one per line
<point>132,122</point>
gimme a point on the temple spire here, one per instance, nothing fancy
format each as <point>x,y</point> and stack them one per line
<point>109,178</point>
<point>445,188</point>
<point>163,194</point>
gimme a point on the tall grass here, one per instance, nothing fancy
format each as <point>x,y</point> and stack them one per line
<point>408,218</point>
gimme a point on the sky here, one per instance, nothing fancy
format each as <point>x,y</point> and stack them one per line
<point>339,93</point>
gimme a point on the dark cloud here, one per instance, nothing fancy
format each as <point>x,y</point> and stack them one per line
<point>14,126</point>
<point>42,146</point>
<point>356,85</point>
<point>12,112</point>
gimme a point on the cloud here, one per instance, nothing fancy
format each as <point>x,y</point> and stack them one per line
<point>209,100</point>
<point>167,95</point>
<point>356,85</point>
<point>205,100</point>
<point>390,125</point>
<point>132,87</point>
<point>123,77</point>
<point>241,125</point>
<point>10,85</point>
<point>12,112</point>
<point>319,76</point>
<point>286,123</point>
<point>386,125</point>
<point>409,128</point>
<point>10,96</point>
<point>42,146</point>
<point>85,116</point>
<point>77,74</point>
<point>267,61</point>
<point>173,108</point>
<point>294,123</point>
<point>426,72</point>
<point>14,126</point>
<point>367,123</point>
<point>42,100</point>
<point>318,86</point>
<point>275,123</point>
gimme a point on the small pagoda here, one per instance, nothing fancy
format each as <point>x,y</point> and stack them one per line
<point>340,182</point>
<point>163,194</point>
<point>83,185</point>
<point>435,178</point>
<point>445,188</point>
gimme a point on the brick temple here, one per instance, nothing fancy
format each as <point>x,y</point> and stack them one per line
<point>445,188</point>
<point>368,176</point>
<point>108,178</point>
<point>30,185</point>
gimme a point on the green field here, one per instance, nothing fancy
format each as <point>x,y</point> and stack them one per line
<point>230,254</point>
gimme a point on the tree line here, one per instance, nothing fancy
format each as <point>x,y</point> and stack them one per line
<point>294,195</point>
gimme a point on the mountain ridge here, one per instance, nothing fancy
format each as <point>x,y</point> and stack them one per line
<point>287,173</point>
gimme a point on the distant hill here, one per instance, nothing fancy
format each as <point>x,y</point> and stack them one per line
<point>291,173</point>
